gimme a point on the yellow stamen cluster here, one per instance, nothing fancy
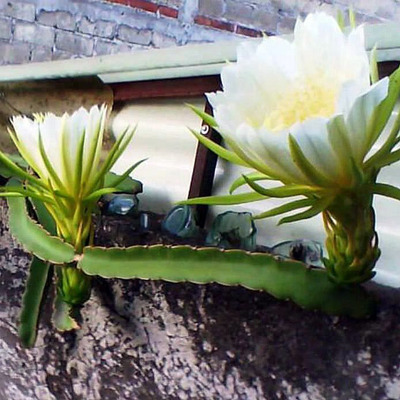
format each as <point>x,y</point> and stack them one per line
<point>310,99</point>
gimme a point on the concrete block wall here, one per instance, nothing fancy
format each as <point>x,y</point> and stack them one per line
<point>42,30</point>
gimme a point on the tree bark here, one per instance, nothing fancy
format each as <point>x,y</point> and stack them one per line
<point>156,341</point>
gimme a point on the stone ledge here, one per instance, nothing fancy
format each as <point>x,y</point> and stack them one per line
<point>153,340</point>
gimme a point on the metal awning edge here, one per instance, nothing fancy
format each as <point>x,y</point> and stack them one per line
<point>191,60</point>
<point>163,73</point>
<point>190,56</point>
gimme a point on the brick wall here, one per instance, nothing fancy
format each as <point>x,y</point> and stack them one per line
<point>279,16</point>
<point>41,30</point>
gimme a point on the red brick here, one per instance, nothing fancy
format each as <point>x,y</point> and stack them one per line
<point>168,11</point>
<point>140,4</point>
<point>226,26</point>
<point>214,23</point>
<point>199,19</point>
<point>243,30</point>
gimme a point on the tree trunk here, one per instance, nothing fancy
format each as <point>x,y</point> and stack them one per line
<point>156,341</point>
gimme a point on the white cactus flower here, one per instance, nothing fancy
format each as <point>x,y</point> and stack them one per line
<point>315,89</point>
<point>305,113</point>
<point>64,151</point>
<point>69,175</point>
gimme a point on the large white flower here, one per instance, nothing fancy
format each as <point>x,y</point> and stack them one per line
<point>69,173</point>
<point>304,112</point>
<point>64,151</point>
<point>315,89</point>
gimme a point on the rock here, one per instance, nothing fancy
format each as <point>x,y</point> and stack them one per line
<point>233,230</point>
<point>306,251</point>
<point>164,341</point>
<point>121,204</point>
<point>181,221</point>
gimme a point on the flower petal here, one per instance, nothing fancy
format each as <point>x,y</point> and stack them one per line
<point>322,49</point>
<point>339,140</point>
<point>253,85</point>
<point>75,126</point>
<point>94,140</point>
<point>359,116</point>
<point>319,44</point>
<point>316,88</point>
<point>27,134</point>
<point>270,150</point>
<point>313,139</point>
<point>50,130</point>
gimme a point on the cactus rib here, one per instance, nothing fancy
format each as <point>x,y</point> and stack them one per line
<point>284,279</point>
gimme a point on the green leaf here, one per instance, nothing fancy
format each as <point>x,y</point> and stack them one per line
<point>391,158</point>
<point>17,159</point>
<point>117,149</point>
<point>12,194</point>
<point>380,118</point>
<point>207,118</point>
<point>5,191</point>
<point>254,176</point>
<point>219,150</point>
<point>352,18</point>
<point>127,138</point>
<point>62,319</point>
<point>33,237</point>
<point>294,205</point>
<point>305,166</point>
<point>124,183</point>
<point>94,150</point>
<point>36,283</point>
<point>225,200</point>
<point>308,287</point>
<point>357,172</point>
<point>373,66</point>
<point>386,190</point>
<point>31,301</point>
<point>49,167</point>
<point>98,193</point>
<point>35,286</point>
<point>318,206</point>
<point>60,204</point>
<point>18,172</point>
<point>44,217</point>
<point>78,167</point>
<point>377,158</point>
<point>339,140</point>
<point>340,20</point>
<point>5,172</point>
<point>282,191</point>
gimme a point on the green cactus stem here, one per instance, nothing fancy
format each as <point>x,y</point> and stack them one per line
<point>352,242</point>
<point>284,279</point>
